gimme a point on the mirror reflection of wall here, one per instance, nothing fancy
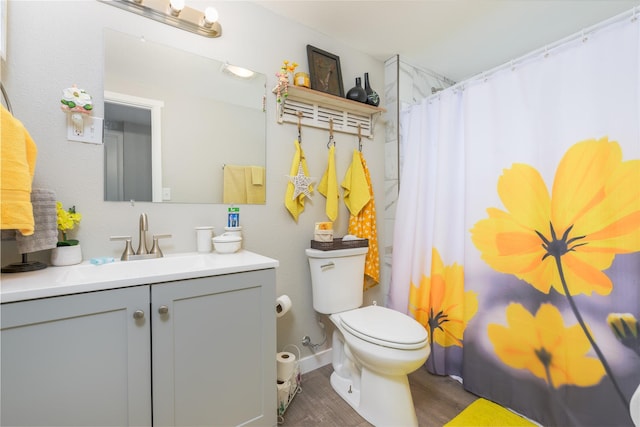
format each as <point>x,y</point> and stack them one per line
<point>127,138</point>
<point>208,119</point>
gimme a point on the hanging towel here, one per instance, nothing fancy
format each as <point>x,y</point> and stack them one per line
<point>328,186</point>
<point>295,205</point>
<point>254,184</point>
<point>234,185</point>
<point>257,175</point>
<point>356,191</point>
<point>45,235</point>
<point>364,225</point>
<point>18,163</point>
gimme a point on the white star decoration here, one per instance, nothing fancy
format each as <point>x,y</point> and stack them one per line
<point>301,183</point>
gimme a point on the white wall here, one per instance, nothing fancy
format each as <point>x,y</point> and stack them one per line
<point>54,44</point>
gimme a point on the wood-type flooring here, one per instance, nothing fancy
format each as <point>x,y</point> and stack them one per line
<point>437,400</point>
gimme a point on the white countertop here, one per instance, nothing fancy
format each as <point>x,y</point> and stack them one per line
<point>86,277</point>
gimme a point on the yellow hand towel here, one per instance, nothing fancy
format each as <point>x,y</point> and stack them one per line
<point>295,205</point>
<point>356,190</point>
<point>18,165</point>
<point>234,185</point>
<point>257,175</point>
<point>255,189</point>
<point>328,186</point>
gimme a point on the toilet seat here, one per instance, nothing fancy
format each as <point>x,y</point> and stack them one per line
<point>385,327</point>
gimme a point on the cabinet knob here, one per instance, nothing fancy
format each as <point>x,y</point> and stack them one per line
<point>138,314</point>
<point>163,309</point>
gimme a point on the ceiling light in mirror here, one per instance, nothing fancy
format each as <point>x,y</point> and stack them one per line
<point>236,71</point>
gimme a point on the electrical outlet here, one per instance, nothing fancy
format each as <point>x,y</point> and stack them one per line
<point>91,132</point>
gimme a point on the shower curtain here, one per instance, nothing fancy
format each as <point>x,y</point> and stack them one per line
<point>517,237</point>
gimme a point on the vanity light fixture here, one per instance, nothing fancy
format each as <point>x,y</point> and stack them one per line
<point>175,13</point>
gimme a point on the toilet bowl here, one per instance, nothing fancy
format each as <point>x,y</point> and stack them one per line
<point>370,373</point>
<point>374,348</point>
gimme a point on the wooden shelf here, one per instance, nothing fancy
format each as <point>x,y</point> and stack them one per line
<point>319,108</point>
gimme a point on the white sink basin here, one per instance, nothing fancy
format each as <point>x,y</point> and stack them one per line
<point>87,277</point>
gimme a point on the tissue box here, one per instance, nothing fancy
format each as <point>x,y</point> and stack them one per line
<point>338,243</point>
<point>323,235</point>
<point>323,231</point>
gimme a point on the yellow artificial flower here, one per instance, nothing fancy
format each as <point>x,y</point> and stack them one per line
<point>67,220</point>
<point>592,215</point>
<point>542,345</point>
<point>440,303</point>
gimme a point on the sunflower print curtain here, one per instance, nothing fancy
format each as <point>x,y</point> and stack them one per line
<point>517,239</point>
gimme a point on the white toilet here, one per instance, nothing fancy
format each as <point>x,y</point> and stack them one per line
<point>374,348</point>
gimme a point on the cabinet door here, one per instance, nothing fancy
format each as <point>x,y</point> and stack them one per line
<point>214,351</point>
<point>78,360</point>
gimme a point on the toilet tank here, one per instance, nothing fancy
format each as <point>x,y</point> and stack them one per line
<point>337,279</point>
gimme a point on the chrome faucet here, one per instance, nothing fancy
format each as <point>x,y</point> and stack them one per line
<point>142,252</point>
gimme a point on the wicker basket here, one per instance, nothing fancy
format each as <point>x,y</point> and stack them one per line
<point>338,243</point>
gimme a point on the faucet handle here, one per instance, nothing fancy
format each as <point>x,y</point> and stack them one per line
<point>128,250</point>
<point>155,249</point>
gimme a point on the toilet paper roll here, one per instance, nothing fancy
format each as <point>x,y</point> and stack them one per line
<point>286,365</point>
<point>284,388</point>
<point>283,305</point>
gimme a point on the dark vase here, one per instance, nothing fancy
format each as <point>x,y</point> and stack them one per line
<point>372,95</point>
<point>357,93</point>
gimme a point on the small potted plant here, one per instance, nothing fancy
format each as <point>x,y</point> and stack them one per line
<point>68,251</point>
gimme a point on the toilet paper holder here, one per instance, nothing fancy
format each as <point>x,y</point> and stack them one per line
<point>285,397</point>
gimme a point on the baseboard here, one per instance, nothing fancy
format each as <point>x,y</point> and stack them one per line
<point>315,361</point>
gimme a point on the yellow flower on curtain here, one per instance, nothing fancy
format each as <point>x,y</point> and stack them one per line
<point>543,345</point>
<point>441,304</point>
<point>567,239</point>
<point>592,214</point>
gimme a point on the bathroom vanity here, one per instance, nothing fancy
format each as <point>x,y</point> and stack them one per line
<point>183,340</point>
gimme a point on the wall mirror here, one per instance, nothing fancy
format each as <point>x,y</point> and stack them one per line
<point>179,127</point>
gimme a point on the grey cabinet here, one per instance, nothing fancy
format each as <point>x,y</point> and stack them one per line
<point>214,349</point>
<point>204,349</point>
<point>77,360</point>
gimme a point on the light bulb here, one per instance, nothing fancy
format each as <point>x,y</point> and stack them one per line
<point>176,6</point>
<point>210,16</point>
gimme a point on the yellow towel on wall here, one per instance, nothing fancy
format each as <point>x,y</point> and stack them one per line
<point>295,206</point>
<point>18,164</point>
<point>364,225</point>
<point>328,186</point>
<point>356,191</point>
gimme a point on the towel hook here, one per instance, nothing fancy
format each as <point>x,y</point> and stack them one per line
<point>331,134</point>
<point>299,114</point>
<point>359,137</point>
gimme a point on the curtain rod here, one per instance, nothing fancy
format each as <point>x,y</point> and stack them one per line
<point>583,35</point>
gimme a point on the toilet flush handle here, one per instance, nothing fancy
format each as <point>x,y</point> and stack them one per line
<point>329,264</point>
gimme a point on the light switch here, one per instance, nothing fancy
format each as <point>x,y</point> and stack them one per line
<point>166,193</point>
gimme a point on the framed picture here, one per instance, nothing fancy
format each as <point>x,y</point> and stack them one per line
<point>324,71</point>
